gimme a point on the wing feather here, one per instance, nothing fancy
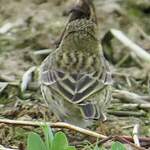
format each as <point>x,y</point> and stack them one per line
<point>76,87</point>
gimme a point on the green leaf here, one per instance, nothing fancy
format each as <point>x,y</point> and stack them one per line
<point>96,148</point>
<point>60,141</point>
<point>48,134</point>
<point>34,142</point>
<point>117,146</point>
<point>70,148</point>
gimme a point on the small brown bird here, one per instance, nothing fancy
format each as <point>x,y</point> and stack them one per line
<point>75,78</point>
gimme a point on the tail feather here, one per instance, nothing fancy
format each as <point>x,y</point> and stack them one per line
<point>90,111</point>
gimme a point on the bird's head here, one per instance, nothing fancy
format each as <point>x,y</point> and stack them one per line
<point>83,9</point>
<point>81,35</point>
<point>81,32</point>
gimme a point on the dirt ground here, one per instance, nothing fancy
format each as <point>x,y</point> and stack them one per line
<point>27,26</point>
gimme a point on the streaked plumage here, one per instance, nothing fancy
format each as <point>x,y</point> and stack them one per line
<point>75,78</point>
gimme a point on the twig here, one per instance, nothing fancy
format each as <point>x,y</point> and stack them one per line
<point>135,106</point>
<point>10,25</point>
<point>123,60</point>
<point>146,36</point>
<point>53,125</point>
<point>4,148</point>
<point>135,134</point>
<point>9,81</point>
<point>43,52</point>
<point>105,140</point>
<point>121,139</point>
<point>27,77</point>
<point>126,113</point>
<point>141,139</point>
<point>124,75</point>
<point>141,53</point>
<point>5,78</point>
<point>132,107</point>
<point>3,85</point>
<point>130,97</point>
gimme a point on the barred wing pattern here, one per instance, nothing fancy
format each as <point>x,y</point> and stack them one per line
<point>79,88</point>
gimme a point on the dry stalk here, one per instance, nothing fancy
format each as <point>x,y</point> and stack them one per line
<point>53,125</point>
<point>4,148</point>
<point>130,97</point>
<point>135,134</point>
<point>140,52</point>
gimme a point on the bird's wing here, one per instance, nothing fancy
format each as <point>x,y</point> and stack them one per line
<point>76,87</point>
<point>107,73</point>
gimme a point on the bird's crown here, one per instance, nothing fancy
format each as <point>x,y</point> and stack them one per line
<point>82,25</point>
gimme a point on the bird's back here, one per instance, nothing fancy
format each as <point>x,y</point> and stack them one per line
<point>75,78</point>
<point>79,48</point>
